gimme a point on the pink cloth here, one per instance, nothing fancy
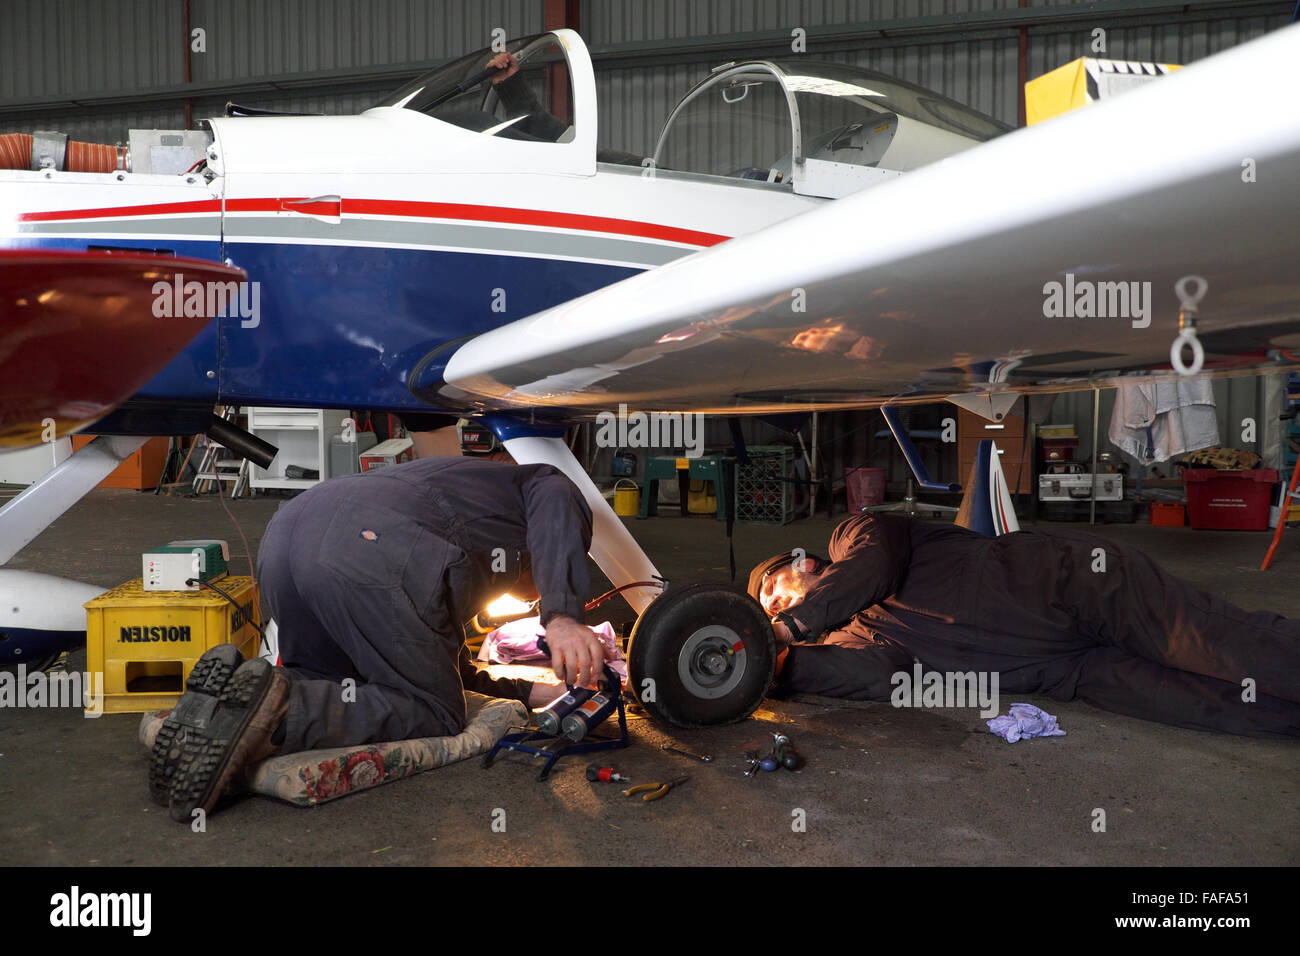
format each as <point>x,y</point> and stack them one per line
<point>516,643</point>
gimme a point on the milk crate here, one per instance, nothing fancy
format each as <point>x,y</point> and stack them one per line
<point>145,643</point>
<point>764,495</point>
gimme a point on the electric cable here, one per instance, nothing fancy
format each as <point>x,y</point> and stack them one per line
<point>252,568</point>
<point>233,603</point>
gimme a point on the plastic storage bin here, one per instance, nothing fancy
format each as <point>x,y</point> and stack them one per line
<point>1229,500</point>
<point>1168,514</point>
<point>864,487</point>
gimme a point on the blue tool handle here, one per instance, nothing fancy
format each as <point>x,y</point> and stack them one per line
<point>546,649</point>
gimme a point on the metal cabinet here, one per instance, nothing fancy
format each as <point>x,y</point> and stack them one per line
<point>303,437</point>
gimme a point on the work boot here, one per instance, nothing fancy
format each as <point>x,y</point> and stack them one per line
<point>191,715</point>
<point>252,706</point>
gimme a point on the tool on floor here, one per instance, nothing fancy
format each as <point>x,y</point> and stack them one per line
<point>577,714</point>
<point>702,758</point>
<point>597,773</point>
<point>782,754</point>
<point>653,791</point>
<point>785,754</point>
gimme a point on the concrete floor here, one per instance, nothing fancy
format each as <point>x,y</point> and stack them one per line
<point>881,786</point>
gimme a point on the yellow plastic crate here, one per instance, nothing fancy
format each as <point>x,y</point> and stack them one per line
<point>145,643</point>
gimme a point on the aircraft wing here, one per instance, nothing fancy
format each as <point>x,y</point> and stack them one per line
<point>80,333</point>
<point>969,275</point>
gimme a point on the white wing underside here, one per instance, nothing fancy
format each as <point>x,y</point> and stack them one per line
<point>934,283</point>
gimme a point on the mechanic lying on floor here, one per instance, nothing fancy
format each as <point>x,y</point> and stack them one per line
<point>370,579</point>
<point>1061,613</point>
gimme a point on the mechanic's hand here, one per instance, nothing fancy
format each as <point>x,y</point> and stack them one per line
<point>782,634</point>
<point>506,63</point>
<point>577,654</point>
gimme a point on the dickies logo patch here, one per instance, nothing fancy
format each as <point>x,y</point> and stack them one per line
<point>368,535</point>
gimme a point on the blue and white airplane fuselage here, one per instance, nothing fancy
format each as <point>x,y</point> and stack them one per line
<point>377,239</point>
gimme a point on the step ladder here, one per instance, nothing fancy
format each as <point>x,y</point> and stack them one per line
<point>1291,498</point>
<point>1291,494</point>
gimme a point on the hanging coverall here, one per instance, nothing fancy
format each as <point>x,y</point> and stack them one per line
<point>371,577</point>
<point>1062,613</point>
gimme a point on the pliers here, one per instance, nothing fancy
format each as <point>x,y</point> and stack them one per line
<point>653,791</point>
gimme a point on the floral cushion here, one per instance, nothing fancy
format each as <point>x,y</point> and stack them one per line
<point>315,776</point>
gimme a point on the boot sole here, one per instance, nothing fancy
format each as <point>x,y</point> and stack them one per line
<point>209,761</point>
<point>191,715</point>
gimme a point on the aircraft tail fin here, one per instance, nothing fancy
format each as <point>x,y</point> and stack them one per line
<point>986,507</point>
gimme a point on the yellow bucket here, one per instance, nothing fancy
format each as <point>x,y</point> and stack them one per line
<point>627,501</point>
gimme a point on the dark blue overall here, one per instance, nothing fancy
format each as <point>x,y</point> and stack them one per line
<point>371,577</point>
<point>1038,608</point>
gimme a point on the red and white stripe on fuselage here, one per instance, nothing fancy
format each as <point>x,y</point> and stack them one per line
<point>377,222</point>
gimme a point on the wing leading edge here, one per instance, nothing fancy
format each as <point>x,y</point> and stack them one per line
<point>1043,260</point>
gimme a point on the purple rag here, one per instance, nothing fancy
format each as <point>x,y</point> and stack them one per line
<point>1025,720</point>
<point>516,643</point>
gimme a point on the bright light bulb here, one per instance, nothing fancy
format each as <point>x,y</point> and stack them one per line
<point>506,606</point>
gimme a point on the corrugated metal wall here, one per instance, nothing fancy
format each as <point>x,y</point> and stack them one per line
<point>318,52</point>
<point>250,38</point>
<point>617,21</point>
<point>1185,43</point>
<point>69,48</point>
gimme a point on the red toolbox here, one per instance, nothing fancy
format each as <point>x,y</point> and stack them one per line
<point>1058,449</point>
<point>1229,500</point>
<point>1167,514</point>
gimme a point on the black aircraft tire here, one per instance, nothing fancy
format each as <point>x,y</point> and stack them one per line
<point>701,655</point>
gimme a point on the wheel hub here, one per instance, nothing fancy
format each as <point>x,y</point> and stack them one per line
<point>712,661</point>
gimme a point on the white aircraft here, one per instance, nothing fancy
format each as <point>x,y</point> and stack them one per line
<point>805,236</point>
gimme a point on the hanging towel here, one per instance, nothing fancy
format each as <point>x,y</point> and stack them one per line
<point>1162,420</point>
